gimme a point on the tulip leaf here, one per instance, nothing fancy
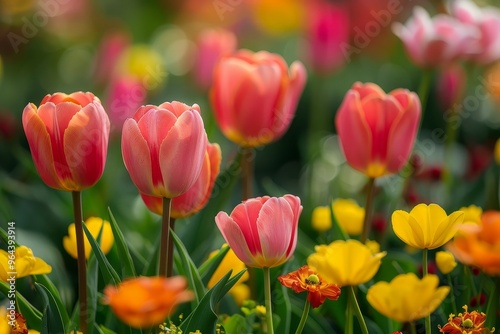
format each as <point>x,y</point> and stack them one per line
<point>208,267</point>
<point>204,316</point>
<point>108,272</point>
<point>152,265</point>
<point>127,265</point>
<point>236,324</point>
<point>92,288</point>
<point>190,270</point>
<point>47,283</point>
<point>51,321</point>
<point>33,316</point>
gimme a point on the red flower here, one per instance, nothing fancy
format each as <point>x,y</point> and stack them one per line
<point>305,279</point>
<point>466,323</point>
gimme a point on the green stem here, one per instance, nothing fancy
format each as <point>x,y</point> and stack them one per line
<point>368,209</point>
<point>247,171</point>
<point>452,295</point>
<point>303,319</point>
<point>413,328</point>
<point>425,269</point>
<point>170,253</point>
<point>493,304</point>
<point>423,91</point>
<point>82,265</point>
<point>357,310</point>
<point>267,297</point>
<point>165,236</point>
<point>349,315</point>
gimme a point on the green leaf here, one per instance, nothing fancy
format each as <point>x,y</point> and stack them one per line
<point>208,267</point>
<point>108,272</point>
<point>33,316</point>
<point>47,283</point>
<point>51,320</point>
<point>128,269</point>
<point>152,268</point>
<point>236,324</point>
<point>204,316</point>
<point>92,280</point>
<point>190,270</point>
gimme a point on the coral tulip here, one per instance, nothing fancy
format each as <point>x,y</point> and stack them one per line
<point>377,130</point>
<point>147,301</point>
<point>479,245</point>
<point>196,197</point>
<point>262,231</point>
<point>435,41</point>
<point>68,138</point>
<point>95,225</point>
<point>254,96</point>
<point>407,298</point>
<point>22,262</point>
<point>164,148</point>
<point>426,226</point>
<point>345,262</point>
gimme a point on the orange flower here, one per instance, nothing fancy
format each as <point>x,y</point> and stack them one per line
<point>146,301</point>
<point>305,279</point>
<point>466,323</point>
<point>479,245</point>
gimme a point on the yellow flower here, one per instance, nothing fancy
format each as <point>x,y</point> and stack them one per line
<point>278,17</point>
<point>239,291</point>
<point>145,64</point>
<point>407,298</point>
<point>373,246</point>
<point>21,263</point>
<point>321,219</point>
<point>497,152</point>
<point>94,225</point>
<point>445,262</point>
<point>345,262</point>
<point>4,321</point>
<point>426,226</point>
<point>349,215</point>
<point>472,214</point>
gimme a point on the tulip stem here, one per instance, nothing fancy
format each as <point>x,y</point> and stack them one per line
<point>423,91</point>
<point>452,295</point>
<point>170,253</point>
<point>82,265</point>
<point>355,306</point>
<point>425,269</point>
<point>247,172</point>
<point>165,236</point>
<point>303,319</point>
<point>349,315</point>
<point>267,297</point>
<point>413,329</point>
<point>368,209</point>
<point>493,304</point>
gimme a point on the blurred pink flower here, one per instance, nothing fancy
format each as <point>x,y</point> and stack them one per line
<point>487,20</point>
<point>164,148</point>
<point>126,94</point>
<point>327,33</point>
<point>111,48</point>
<point>262,231</point>
<point>212,45</point>
<point>435,41</point>
<point>451,85</point>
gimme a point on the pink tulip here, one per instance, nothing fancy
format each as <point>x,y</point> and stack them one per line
<point>451,85</point>
<point>262,231</point>
<point>212,46</point>
<point>377,130</point>
<point>198,195</point>
<point>254,97</point>
<point>437,41</point>
<point>164,147</point>
<point>487,20</point>
<point>68,138</point>
<point>113,45</point>
<point>328,29</point>
<point>126,94</point>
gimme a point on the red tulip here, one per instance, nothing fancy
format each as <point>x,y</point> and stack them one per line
<point>262,231</point>
<point>68,138</point>
<point>164,147</point>
<point>377,130</point>
<point>254,96</point>
<point>198,195</point>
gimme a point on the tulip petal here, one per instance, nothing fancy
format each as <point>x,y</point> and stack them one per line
<point>233,235</point>
<point>246,215</point>
<point>402,228</point>
<point>446,228</point>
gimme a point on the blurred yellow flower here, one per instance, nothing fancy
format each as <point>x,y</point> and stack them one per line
<point>239,291</point>
<point>145,64</point>
<point>472,214</point>
<point>4,322</point>
<point>278,17</point>
<point>94,225</point>
<point>349,215</point>
<point>407,298</point>
<point>445,262</point>
<point>21,263</point>
<point>321,219</point>
<point>497,152</point>
<point>373,246</point>
<point>426,226</point>
<point>345,262</point>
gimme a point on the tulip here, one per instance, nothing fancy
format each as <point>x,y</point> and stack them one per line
<point>246,78</point>
<point>437,41</point>
<point>472,214</point>
<point>94,225</point>
<point>345,262</point>
<point>262,231</point>
<point>147,301</point>
<point>377,130</point>
<point>426,226</point>
<point>445,262</point>
<point>196,197</point>
<point>125,96</point>
<point>25,263</point>
<point>407,298</point>
<point>321,220</point>
<point>68,138</point>
<point>487,21</point>
<point>212,46</point>
<point>349,215</point>
<point>278,17</point>
<point>451,86</point>
<point>164,148</point>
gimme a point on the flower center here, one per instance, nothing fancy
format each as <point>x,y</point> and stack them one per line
<point>312,279</point>
<point>467,323</point>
